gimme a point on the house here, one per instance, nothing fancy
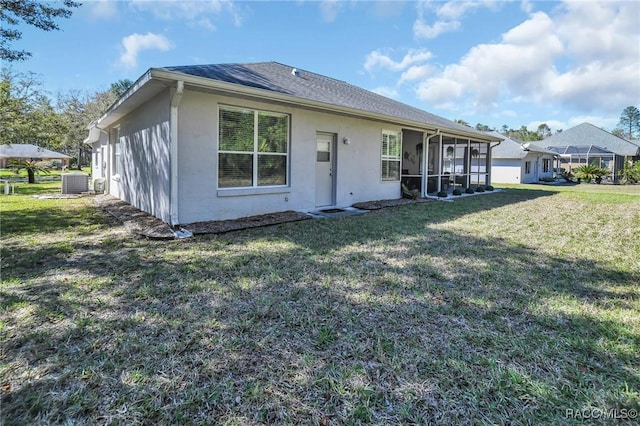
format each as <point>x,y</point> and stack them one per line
<point>514,161</point>
<point>26,151</point>
<point>215,142</point>
<point>588,144</point>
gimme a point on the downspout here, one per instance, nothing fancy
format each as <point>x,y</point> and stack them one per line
<point>173,155</point>
<point>425,169</point>
<point>490,160</point>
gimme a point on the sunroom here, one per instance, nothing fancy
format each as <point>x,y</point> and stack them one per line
<point>452,162</point>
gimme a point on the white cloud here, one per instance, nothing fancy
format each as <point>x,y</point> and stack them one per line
<point>449,15</point>
<point>103,9</point>
<point>135,43</point>
<point>554,125</point>
<point>416,72</point>
<point>329,9</point>
<point>583,55</point>
<point>389,92</point>
<point>194,13</point>
<point>522,62</point>
<point>422,30</point>
<point>377,59</point>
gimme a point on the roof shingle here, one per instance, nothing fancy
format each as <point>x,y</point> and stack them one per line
<point>276,77</point>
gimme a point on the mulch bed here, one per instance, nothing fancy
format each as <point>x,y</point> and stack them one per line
<point>141,223</point>
<point>380,204</point>
<point>220,226</point>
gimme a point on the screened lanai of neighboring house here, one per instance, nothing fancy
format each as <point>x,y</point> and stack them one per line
<point>573,156</point>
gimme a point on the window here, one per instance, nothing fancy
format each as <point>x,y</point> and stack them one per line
<point>252,148</point>
<point>117,153</point>
<point>545,165</point>
<point>391,155</point>
<point>527,167</point>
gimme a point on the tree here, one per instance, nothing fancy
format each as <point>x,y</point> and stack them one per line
<point>523,134</point>
<point>31,12</point>
<point>544,131</point>
<point>629,122</point>
<point>461,121</point>
<point>483,128</point>
<point>78,109</point>
<point>31,166</point>
<point>119,87</point>
<point>618,132</point>
<point>26,113</point>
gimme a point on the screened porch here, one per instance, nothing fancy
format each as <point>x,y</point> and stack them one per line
<point>451,162</point>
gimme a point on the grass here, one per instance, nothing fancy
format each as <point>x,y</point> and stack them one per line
<point>519,307</point>
<point>53,173</point>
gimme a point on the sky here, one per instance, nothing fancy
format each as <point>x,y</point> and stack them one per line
<point>491,62</point>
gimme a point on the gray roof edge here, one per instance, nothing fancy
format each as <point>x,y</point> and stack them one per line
<point>164,72</point>
<point>168,75</point>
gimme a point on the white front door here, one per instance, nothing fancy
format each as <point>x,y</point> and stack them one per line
<point>325,169</point>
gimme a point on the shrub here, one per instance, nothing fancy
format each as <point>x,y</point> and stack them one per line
<point>631,173</point>
<point>457,191</point>
<point>480,188</point>
<point>469,190</point>
<point>567,175</point>
<point>409,193</point>
<point>489,188</point>
<point>442,194</point>
<point>590,172</point>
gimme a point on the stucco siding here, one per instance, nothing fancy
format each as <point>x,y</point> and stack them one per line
<point>145,144</point>
<point>506,171</point>
<point>357,170</point>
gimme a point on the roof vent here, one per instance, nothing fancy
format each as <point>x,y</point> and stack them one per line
<point>294,72</point>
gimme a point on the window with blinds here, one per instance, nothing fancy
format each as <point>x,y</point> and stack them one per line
<point>253,148</point>
<point>391,155</point>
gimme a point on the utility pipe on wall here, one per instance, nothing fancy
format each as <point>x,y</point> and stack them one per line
<point>173,155</point>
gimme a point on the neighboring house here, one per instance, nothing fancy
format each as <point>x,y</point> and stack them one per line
<point>26,151</point>
<point>214,142</point>
<point>514,161</point>
<point>588,144</point>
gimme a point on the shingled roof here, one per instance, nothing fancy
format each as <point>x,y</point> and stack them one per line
<point>287,80</point>
<point>27,150</point>
<point>586,134</point>
<point>515,148</point>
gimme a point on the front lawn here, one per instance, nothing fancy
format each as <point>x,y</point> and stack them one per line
<point>518,307</point>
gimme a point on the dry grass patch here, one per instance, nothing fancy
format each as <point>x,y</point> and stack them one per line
<point>510,308</point>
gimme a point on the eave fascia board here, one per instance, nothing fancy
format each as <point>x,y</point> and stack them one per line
<point>110,115</point>
<point>261,94</point>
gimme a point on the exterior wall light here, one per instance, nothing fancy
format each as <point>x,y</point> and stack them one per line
<point>346,140</point>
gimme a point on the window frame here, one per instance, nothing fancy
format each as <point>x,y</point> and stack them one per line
<point>546,165</point>
<point>387,157</point>
<point>527,167</point>
<point>117,154</point>
<point>255,153</point>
